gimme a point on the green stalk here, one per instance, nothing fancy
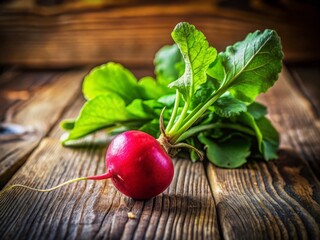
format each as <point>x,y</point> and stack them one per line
<point>192,113</point>
<point>174,111</point>
<point>193,116</point>
<point>180,120</point>
<point>223,88</point>
<point>238,127</point>
<point>197,129</point>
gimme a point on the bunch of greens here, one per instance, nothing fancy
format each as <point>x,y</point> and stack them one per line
<point>201,99</point>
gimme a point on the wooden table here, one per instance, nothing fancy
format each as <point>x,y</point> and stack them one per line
<point>278,199</point>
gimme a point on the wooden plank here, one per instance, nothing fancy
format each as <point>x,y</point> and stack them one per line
<point>6,101</point>
<point>281,198</point>
<point>18,86</point>
<point>96,210</point>
<point>112,34</point>
<point>306,76</point>
<point>296,120</point>
<point>275,200</point>
<point>37,116</point>
<point>50,7</point>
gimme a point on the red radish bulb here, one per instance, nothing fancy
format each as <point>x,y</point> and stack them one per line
<point>137,164</point>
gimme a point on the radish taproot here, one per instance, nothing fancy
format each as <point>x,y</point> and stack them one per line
<point>137,164</point>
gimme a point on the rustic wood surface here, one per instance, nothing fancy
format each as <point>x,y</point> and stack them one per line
<point>271,200</point>
<point>47,46</point>
<point>95,209</point>
<point>277,199</point>
<point>36,115</point>
<point>60,35</point>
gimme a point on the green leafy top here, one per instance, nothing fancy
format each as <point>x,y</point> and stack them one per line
<point>249,67</point>
<point>208,98</point>
<point>169,64</point>
<point>197,56</point>
<point>120,81</point>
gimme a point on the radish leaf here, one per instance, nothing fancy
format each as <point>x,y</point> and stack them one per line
<point>197,55</point>
<point>227,106</point>
<point>111,78</point>
<point>251,66</point>
<point>169,64</point>
<point>208,98</point>
<point>149,88</point>
<point>267,136</point>
<point>257,110</point>
<point>230,154</point>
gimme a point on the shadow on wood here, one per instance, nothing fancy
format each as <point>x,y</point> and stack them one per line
<point>275,199</point>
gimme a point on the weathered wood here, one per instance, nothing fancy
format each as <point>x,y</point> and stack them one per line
<point>96,210</point>
<point>112,34</point>
<point>270,200</point>
<point>306,76</point>
<point>37,115</point>
<point>18,86</point>
<point>276,199</point>
<point>49,7</point>
<point>295,119</point>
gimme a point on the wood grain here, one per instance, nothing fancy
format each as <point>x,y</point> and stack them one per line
<point>277,199</point>
<point>262,200</point>
<point>17,86</point>
<point>305,77</point>
<point>296,120</point>
<point>131,35</point>
<point>37,115</point>
<point>96,210</point>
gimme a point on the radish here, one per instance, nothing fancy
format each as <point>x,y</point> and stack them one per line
<point>213,96</point>
<point>137,164</point>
